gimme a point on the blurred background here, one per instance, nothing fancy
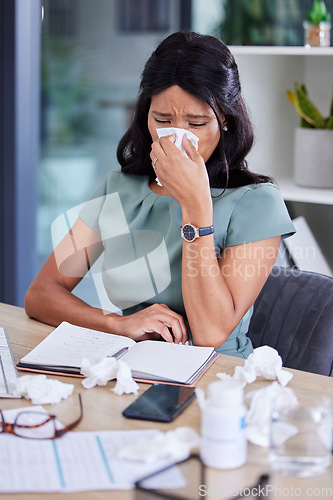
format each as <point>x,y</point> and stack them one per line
<point>70,76</point>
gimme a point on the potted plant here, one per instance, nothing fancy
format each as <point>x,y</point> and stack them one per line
<point>317,26</point>
<point>313,148</point>
<point>67,159</point>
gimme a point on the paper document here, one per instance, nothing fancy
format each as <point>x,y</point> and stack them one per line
<point>78,461</point>
<point>150,360</point>
<point>69,344</point>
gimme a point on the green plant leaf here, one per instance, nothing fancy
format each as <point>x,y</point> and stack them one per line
<point>306,124</point>
<point>291,96</point>
<point>304,89</point>
<point>329,124</point>
<point>318,13</point>
<point>308,110</point>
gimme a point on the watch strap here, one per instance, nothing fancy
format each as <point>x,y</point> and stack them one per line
<point>204,231</point>
<point>196,231</point>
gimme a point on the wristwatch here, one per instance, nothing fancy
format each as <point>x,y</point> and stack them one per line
<point>190,232</point>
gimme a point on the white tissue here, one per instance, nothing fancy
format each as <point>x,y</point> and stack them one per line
<point>42,390</point>
<point>174,445</point>
<point>125,383</point>
<point>262,403</point>
<point>267,363</point>
<point>200,397</point>
<point>106,369</point>
<point>179,133</point>
<point>263,362</point>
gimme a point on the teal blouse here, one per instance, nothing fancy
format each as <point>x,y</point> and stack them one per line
<point>140,231</point>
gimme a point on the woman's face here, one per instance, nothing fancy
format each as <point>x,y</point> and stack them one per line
<point>176,108</point>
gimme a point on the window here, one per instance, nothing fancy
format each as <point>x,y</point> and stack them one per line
<point>144,15</point>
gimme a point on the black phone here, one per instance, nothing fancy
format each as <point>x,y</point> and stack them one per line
<point>160,403</point>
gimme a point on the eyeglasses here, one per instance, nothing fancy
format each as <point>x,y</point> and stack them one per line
<point>190,469</point>
<point>195,485</point>
<point>36,425</point>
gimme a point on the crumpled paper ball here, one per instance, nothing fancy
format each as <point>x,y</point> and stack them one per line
<point>262,403</point>
<point>174,445</point>
<point>263,362</point>
<point>42,390</point>
<point>106,369</point>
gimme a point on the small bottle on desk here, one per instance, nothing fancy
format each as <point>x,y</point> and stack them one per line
<point>223,420</point>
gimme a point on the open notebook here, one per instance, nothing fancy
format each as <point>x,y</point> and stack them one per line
<point>150,360</point>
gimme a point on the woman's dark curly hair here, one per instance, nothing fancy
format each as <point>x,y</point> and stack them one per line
<point>203,66</point>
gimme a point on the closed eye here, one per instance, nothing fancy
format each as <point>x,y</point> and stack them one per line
<point>161,121</point>
<point>197,124</point>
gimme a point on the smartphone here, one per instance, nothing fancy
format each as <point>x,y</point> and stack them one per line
<point>160,403</point>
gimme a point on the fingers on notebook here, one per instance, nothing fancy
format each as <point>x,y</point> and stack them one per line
<point>176,327</point>
<point>157,319</point>
<point>169,328</point>
<point>167,323</point>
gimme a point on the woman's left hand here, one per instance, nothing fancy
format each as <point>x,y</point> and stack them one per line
<point>185,179</point>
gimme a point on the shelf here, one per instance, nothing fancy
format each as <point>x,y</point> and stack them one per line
<point>291,192</point>
<point>280,51</point>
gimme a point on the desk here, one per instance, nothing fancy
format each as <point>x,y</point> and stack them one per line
<point>103,411</point>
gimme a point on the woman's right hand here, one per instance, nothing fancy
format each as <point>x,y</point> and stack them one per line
<point>152,323</point>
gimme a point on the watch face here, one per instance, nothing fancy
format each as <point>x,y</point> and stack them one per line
<point>188,232</point>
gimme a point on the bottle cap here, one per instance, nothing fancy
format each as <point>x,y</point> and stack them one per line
<point>225,393</point>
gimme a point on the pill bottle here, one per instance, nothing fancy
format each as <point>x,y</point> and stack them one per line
<point>223,419</point>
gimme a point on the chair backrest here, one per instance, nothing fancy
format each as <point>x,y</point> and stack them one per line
<point>294,314</point>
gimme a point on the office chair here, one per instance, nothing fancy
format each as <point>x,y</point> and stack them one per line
<point>294,315</point>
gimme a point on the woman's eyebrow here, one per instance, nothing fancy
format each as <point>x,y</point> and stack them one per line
<point>192,115</point>
<point>189,115</point>
<point>164,115</point>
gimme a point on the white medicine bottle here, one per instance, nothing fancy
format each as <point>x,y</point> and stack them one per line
<point>223,420</point>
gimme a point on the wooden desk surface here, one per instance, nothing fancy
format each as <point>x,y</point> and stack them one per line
<point>103,411</point>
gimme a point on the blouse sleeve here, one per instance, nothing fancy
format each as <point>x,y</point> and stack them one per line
<point>92,208</point>
<point>259,214</point>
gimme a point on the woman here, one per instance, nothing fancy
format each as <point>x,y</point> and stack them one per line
<point>207,285</point>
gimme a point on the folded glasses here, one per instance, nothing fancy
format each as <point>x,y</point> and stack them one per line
<point>196,485</point>
<point>36,425</point>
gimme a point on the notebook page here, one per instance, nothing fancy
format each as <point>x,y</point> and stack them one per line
<point>68,344</point>
<point>166,360</point>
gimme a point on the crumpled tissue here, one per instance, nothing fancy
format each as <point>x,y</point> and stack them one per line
<point>262,402</point>
<point>179,133</point>
<point>106,369</point>
<point>42,390</point>
<point>263,362</point>
<point>174,445</point>
<point>267,363</point>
